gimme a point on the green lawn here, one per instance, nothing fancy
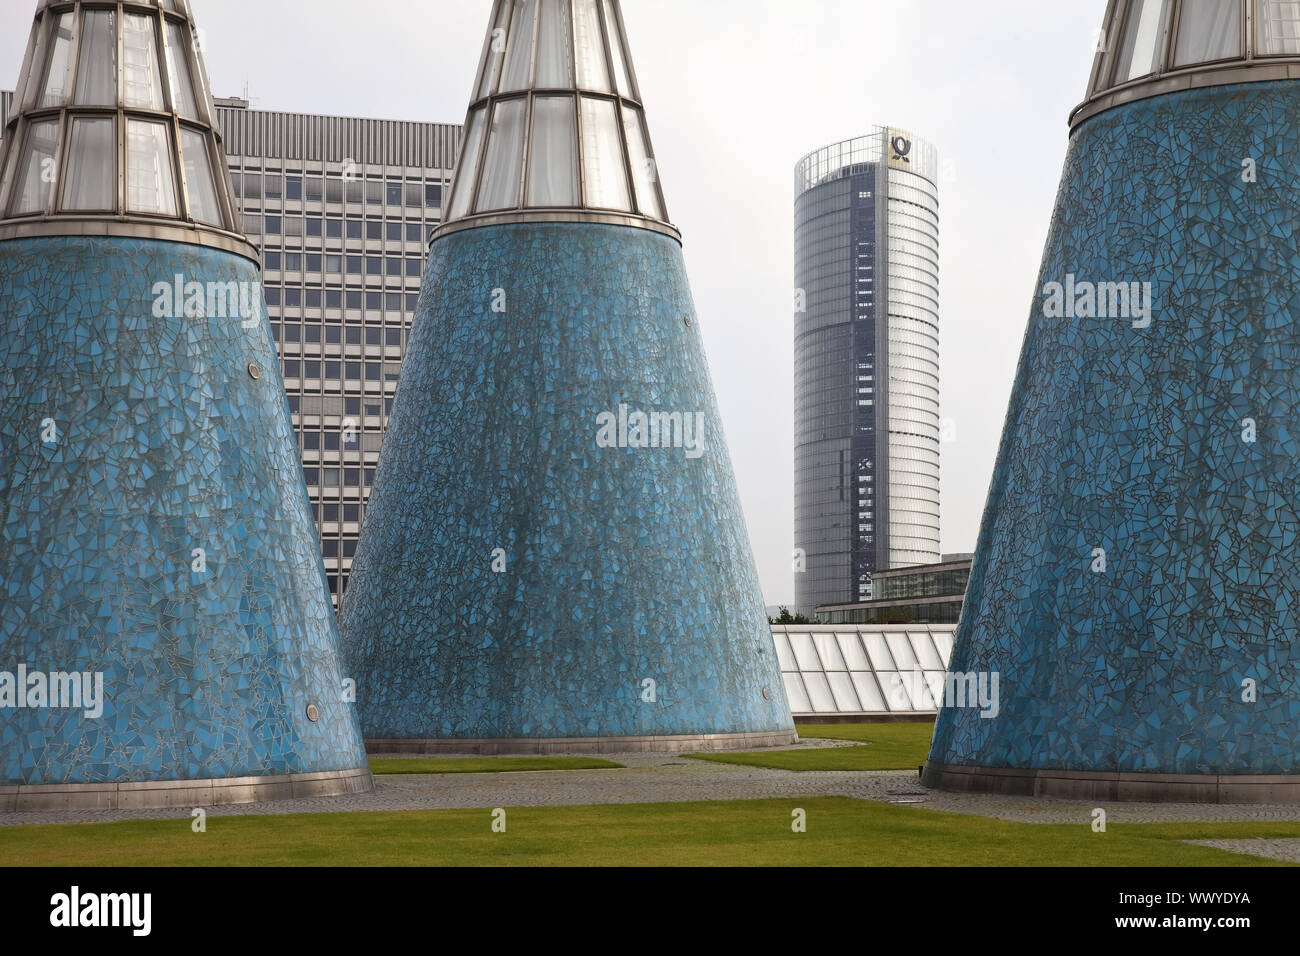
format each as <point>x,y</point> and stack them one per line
<point>385,765</point>
<point>884,747</point>
<point>840,832</point>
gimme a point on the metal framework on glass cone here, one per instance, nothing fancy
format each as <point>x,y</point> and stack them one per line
<point>556,131</point>
<point>112,130</point>
<point>1151,47</point>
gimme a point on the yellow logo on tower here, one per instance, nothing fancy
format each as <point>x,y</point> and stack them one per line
<point>899,149</point>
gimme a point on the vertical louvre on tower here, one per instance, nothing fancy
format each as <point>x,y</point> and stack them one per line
<point>529,579</point>
<point>1135,584</point>
<point>156,540</point>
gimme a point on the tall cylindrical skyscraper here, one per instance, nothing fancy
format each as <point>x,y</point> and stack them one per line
<point>866,363</point>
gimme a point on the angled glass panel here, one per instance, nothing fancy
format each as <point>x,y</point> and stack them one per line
<point>7,174</point>
<point>900,648</point>
<point>150,184</point>
<point>935,681</point>
<point>644,171</point>
<point>602,155</point>
<point>589,47</point>
<point>804,654</point>
<point>829,652</point>
<point>1139,52</point>
<point>943,644</point>
<point>495,53</point>
<point>36,169</point>
<point>464,186</point>
<point>919,687</point>
<point>97,63</point>
<point>873,701</point>
<point>925,652</point>
<point>622,79</point>
<point>92,168</point>
<point>555,46</point>
<point>202,91</point>
<point>784,656</point>
<point>878,651</point>
<point>894,686</point>
<point>553,165</point>
<point>54,91</point>
<point>819,692</point>
<point>503,166</point>
<point>200,191</point>
<point>178,71</point>
<point>1278,26</point>
<point>141,67</point>
<point>854,655</point>
<point>795,694</point>
<point>519,50</point>
<point>1208,30</point>
<point>846,701</point>
<point>33,63</point>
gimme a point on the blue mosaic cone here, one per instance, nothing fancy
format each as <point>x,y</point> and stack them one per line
<point>554,555</point>
<point>1135,586</point>
<point>166,633</point>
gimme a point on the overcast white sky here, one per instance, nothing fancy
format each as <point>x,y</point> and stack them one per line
<point>736,91</point>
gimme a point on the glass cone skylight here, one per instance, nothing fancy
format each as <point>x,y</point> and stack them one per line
<point>556,122</point>
<point>1145,43</point>
<point>112,118</point>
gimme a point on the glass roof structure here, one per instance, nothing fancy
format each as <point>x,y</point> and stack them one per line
<point>556,130</point>
<point>1150,47</point>
<point>112,129</point>
<point>850,669</point>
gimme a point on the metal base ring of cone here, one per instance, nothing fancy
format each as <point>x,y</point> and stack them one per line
<point>1115,787</point>
<point>677,743</point>
<point>160,794</point>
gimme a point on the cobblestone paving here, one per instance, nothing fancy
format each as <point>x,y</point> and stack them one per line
<point>1051,810</point>
<point>1286,850</point>
<point>649,778</point>
<point>671,778</point>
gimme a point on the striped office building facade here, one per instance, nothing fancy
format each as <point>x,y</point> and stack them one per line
<point>341,209</point>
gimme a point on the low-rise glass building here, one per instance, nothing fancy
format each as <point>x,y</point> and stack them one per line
<point>928,594</point>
